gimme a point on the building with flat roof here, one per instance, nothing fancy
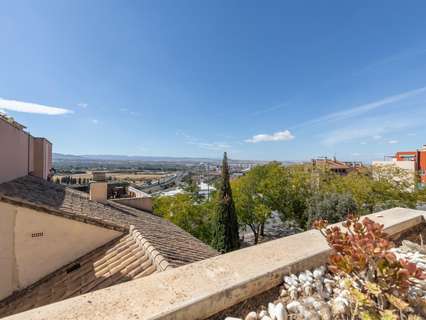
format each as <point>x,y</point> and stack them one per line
<point>413,162</point>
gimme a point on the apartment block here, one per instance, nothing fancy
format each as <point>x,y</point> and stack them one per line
<point>412,162</point>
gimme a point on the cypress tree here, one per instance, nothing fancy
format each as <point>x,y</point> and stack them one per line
<point>225,228</point>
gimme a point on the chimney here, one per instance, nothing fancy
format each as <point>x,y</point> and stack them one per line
<point>98,187</point>
<point>40,150</point>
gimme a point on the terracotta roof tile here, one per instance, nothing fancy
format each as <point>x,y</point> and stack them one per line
<point>118,261</point>
<point>151,244</point>
<point>176,245</point>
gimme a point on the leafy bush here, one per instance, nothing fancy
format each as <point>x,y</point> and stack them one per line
<point>333,207</point>
<point>376,280</point>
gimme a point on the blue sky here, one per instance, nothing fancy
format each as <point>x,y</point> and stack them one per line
<point>262,80</point>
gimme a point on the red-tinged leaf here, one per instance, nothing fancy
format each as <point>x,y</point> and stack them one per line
<point>333,269</point>
<point>420,274</point>
<point>403,274</point>
<point>411,268</point>
<point>390,257</point>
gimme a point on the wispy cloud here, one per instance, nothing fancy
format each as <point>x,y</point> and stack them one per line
<point>28,107</point>
<point>130,112</point>
<point>83,105</point>
<point>362,109</point>
<point>95,121</point>
<point>400,56</point>
<point>393,141</point>
<point>277,136</point>
<point>372,128</point>
<point>270,109</point>
<point>213,146</point>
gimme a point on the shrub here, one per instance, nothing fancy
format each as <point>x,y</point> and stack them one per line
<point>376,280</point>
<point>330,206</point>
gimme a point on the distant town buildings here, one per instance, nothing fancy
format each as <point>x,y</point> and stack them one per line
<point>335,166</point>
<point>413,163</point>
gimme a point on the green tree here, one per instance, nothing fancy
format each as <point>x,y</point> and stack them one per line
<point>375,190</point>
<point>182,211</point>
<point>333,207</point>
<point>249,202</point>
<point>225,226</point>
<point>286,190</point>
<point>193,189</point>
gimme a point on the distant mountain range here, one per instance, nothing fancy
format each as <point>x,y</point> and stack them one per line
<point>106,157</point>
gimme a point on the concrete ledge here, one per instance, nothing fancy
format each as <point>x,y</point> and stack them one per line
<point>201,289</point>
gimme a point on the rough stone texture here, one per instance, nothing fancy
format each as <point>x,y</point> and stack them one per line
<point>201,289</point>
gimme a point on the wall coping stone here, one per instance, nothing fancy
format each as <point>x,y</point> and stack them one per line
<point>201,289</point>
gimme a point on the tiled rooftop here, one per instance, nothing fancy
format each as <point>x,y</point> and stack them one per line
<point>118,261</point>
<point>332,164</point>
<point>150,244</point>
<point>175,244</point>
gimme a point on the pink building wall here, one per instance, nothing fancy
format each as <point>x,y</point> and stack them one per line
<point>15,146</point>
<point>21,154</point>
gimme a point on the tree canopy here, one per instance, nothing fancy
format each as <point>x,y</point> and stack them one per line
<point>225,225</point>
<point>298,193</point>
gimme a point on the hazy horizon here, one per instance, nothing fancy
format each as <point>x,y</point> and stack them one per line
<point>270,81</point>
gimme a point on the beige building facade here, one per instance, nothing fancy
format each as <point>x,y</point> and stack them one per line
<point>34,244</point>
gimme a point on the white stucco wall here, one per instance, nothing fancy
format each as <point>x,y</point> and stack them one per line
<point>25,259</point>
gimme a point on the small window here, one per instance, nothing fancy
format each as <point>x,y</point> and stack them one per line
<point>37,235</point>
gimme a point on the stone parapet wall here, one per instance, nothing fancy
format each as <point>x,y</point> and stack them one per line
<point>201,289</point>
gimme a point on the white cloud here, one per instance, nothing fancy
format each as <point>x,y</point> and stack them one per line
<point>356,154</point>
<point>83,105</point>
<point>28,107</point>
<point>277,136</point>
<point>363,143</point>
<point>377,137</point>
<point>393,141</point>
<point>95,121</point>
